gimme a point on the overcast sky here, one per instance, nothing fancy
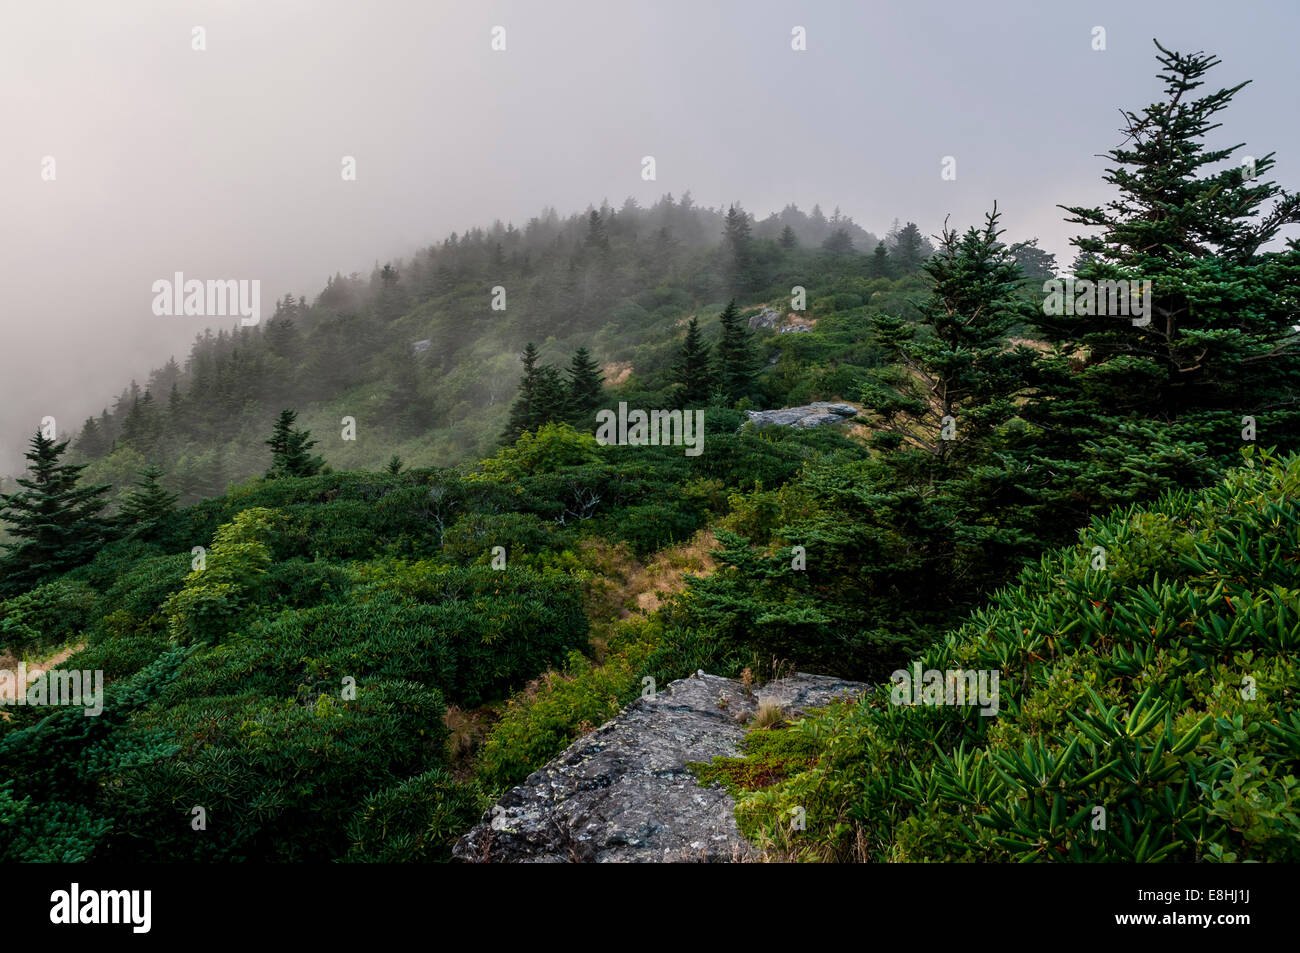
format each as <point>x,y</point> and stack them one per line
<point>225,163</point>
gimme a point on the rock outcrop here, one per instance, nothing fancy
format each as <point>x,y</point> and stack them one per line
<point>810,415</point>
<point>773,320</point>
<point>624,793</point>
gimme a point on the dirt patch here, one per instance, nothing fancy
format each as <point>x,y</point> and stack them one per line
<point>616,372</point>
<point>34,667</point>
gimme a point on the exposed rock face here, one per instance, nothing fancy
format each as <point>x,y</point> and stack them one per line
<point>772,319</point>
<point>624,793</point>
<point>816,414</point>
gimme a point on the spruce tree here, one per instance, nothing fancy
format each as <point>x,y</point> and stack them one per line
<point>951,379</point>
<point>585,389</point>
<point>521,411</point>
<point>91,443</point>
<point>147,509</point>
<point>693,372</point>
<point>735,359</point>
<point>839,242</point>
<point>911,249</point>
<point>290,450</point>
<point>880,266</point>
<point>1220,343</point>
<point>739,250</point>
<point>550,401</point>
<point>55,523</point>
<point>788,240</point>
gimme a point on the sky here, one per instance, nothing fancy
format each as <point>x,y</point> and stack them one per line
<point>226,162</point>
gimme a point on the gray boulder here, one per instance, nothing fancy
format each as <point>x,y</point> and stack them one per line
<point>767,318</point>
<point>816,414</point>
<point>623,792</point>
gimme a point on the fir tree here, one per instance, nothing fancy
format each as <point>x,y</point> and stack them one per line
<point>394,465</point>
<point>91,444</point>
<point>693,373</point>
<point>1220,341</point>
<point>147,509</point>
<point>910,249</point>
<point>55,522</point>
<point>880,266</point>
<point>739,250</point>
<point>838,242</point>
<point>735,360</point>
<point>945,389</point>
<point>585,389</point>
<point>290,450</point>
<point>521,411</point>
<point>787,239</point>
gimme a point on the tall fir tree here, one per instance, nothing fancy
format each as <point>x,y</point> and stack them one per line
<point>54,522</point>
<point>881,266</point>
<point>735,358</point>
<point>692,374</point>
<point>1219,342</point>
<point>521,411</point>
<point>950,380</point>
<point>586,391</point>
<point>738,249</point>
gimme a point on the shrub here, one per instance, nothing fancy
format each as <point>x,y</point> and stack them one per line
<point>46,616</point>
<point>1158,694</point>
<point>415,821</point>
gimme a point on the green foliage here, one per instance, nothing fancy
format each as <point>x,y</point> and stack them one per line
<point>216,596</point>
<point>148,509</point>
<point>55,522</point>
<point>1158,692</point>
<point>417,820</point>
<point>734,371</point>
<point>291,450</point>
<point>46,616</point>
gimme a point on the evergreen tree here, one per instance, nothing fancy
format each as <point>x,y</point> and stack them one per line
<point>880,266</point>
<point>394,465</point>
<point>735,360</point>
<point>693,373</point>
<point>550,403</point>
<point>788,240</point>
<point>290,450</point>
<point>521,411</point>
<point>597,239</point>
<point>585,389</point>
<point>1221,341</point>
<point>838,243</point>
<point>148,508</point>
<point>739,250</point>
<point>55,522</point>
<point>952,380</point>
<point>1036,264</point>
<point>406,409</point>
<point>91,444</point>
<point>911,249</point>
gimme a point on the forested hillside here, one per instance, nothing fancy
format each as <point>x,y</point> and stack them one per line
<point>334,649</point>
<point>424,354</point>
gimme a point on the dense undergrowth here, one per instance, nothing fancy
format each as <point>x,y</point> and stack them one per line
<point>1147,709</point>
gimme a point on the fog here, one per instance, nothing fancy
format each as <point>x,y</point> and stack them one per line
<point>226,162</point>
